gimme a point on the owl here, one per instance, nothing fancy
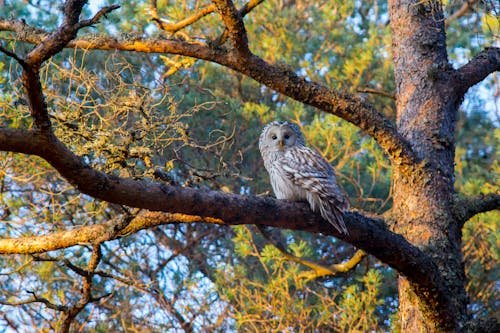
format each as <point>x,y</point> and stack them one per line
<point>299,173</point>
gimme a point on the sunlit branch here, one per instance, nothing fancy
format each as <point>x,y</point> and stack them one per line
<point>317,269</point>
<point>92,234</point>
<point>377,92</point>
<point>281,79</point>
<point>174,27</point>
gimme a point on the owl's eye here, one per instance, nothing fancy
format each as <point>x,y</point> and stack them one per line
<point>287,136</point>
<point>274,137</point>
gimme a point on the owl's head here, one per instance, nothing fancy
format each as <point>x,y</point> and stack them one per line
<point>279,135</point>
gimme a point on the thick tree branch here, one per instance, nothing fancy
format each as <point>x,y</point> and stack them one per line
<point>367,234</point>
<point>466,208</point>
<point>476,70</point>
<point>283,80</point>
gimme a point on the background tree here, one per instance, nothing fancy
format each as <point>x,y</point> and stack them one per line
<point>153,130</point>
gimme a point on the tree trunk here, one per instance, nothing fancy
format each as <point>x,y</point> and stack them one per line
<point>426,116</point>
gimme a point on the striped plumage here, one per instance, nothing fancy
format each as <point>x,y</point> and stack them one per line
<point>300,173</point>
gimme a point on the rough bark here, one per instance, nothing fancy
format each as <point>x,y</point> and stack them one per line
<point>427,106</point>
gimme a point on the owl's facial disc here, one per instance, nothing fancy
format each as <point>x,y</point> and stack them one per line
<point>281,138</point>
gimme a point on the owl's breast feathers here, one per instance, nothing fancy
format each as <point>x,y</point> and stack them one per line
<point>307,169</point>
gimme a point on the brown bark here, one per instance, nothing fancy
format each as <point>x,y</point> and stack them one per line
<point>427,106</point>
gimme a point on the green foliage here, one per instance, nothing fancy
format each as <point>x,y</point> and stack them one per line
<point>274,295</point>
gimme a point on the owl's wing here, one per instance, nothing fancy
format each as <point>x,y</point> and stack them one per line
<point>307,169</point>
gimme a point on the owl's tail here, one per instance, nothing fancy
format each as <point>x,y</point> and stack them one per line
<point>330,212</point>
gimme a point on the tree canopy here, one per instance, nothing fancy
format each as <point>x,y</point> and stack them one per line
<point>133,196</point>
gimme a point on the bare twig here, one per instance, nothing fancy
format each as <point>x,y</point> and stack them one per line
<point>377,92</point>
<point>13,56</point>
<point>95,19</point>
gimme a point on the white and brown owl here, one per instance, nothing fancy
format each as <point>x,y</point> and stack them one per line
<point>300,173</point>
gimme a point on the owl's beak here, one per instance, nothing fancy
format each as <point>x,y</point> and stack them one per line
<point>281,144</point>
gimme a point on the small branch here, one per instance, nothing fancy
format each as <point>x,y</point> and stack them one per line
<point>234,24</point>
<point>13,56</point>
<point>45,301</point>
<point>477,69</point>
<point>173,28</point>
<point>467,208</point>
<point>94,20</point>
<point>377,92</point>
<point>317,269</point>
<point>90,234</point>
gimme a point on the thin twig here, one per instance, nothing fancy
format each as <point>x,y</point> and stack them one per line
<point>95,19</point>
<point>377,91</point>
<point>13,55</point>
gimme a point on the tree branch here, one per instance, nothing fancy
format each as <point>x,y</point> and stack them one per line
<point>58,39</point>
<point>317,270</point>
<point>283,80</point>
<point>377,92</point>
<point>367,234</point>
<point>13,55</point>
<point>173,28</point>
<point>467,208</point>
<point>476,70</point>
<point>95,19</point>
